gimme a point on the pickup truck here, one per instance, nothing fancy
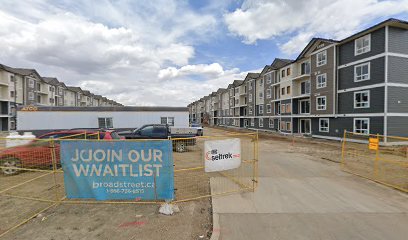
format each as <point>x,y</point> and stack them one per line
<point>181,137</point>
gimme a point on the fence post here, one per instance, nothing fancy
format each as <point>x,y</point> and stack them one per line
<point>54,167</point>
<point>376,162</point>
<point>343,149</point>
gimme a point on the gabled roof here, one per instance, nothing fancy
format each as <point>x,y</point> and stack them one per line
<point>389,22</point>
<point>74,89</point>
<point>21,71</point>
<point>236,83</point>
<point>312,43</point>
<point>86,92</point>
<point>221,90</point>
<point>280,62</point>
<point>252,75</point>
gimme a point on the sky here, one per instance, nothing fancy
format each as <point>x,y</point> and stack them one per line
<point>171,53</point>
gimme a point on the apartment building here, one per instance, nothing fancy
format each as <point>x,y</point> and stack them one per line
<point>357,84</point>
<point>20,86</point>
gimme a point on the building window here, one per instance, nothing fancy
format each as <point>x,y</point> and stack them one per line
<point>321,81</point>
<point>250,109</point>
<point>304,106</point>
<point>283,91</point>
<point>12,94</point>
<point>252,122</point>
<point>283,108</point>
<point>51,89</point>
<point>250,85</point>
<point>288,90</point>
<point>31,83</point>
<point>305,68</point>
<point>30,96</point>
<point>51,100</point>
<point>260,94</point>
<point>362,99</point>
<point>278,109</point>
<point>261,109</point>
<point>321,58</point>
<point>271,123</point>
<point>283,73</point>
<point>60,103</point>
<point>268,108</point>
<point>323,125</point>
<point>321,103</point>
<point>261,82</point>
<point>260,122</point>
<point>38,99</point>
<point>362,72</point>
<point>237,91</point>
<point>268,78</point>
<point>167,120</point>
<point>268,93</point>
<point>362,125</point>
<point>287,71</point>
<point>288,127</point>
<point>283,126</point>
<point>105,122</point>
<point>288,108</point>
<point>362,45</point>
<point>305,87</point>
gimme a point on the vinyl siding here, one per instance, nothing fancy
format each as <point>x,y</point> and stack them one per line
<point>398,69</point>
<point>346,75</point>
<point>346,101</point>
<point>397,100</point>
<point>327,91</point>
<point>338,125</point>
<point>397,42</point>
<point>397,126</point>
<point>346,50</point>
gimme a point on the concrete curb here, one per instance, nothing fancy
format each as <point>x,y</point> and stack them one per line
<point>216,227</point>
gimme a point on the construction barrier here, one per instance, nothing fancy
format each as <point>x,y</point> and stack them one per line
<point>376,157</point>
<point>32,177</point>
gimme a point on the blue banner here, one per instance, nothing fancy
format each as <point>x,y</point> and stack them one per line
<point>104,170</point>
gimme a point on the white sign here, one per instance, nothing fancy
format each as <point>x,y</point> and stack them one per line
<point>220,155</point>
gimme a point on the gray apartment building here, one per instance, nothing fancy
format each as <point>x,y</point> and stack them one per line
<point>358,84</point>
<point>21,86</point>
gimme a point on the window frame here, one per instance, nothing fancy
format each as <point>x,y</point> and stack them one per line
<point>368,99</point>
<point>260,108</point>
<point>318,85</point>
<point>271,120</point>
<point>261,122</point>
<point>320,125</point>
<point>300,106</point>
<point>361,119</point>
<point>252,122</point>
<point>268,93</point>
<point>368,64</point>
<point>356,50</point>
<point>317,103</point>
<point>105,122</point>
<point>268,108</point>
<point>322,62</point>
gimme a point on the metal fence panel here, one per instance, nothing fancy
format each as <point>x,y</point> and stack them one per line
<point>31,175</point>
<point>386,163</point>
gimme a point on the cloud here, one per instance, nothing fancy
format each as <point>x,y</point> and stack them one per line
<point>213,70</point>
<point>113,48</point>
<point>300,20</point>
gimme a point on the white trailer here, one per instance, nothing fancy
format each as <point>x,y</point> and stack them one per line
<point>41,118</point>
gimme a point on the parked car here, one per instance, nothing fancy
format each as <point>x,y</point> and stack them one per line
<point>38,154</point>
<point>199,127</point>
<point>181,137</point>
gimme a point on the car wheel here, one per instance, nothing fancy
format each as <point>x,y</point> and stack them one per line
<point>180,147</point>
<point>10,162</point>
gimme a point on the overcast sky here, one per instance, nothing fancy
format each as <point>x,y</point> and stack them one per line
<point>171,52</point>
